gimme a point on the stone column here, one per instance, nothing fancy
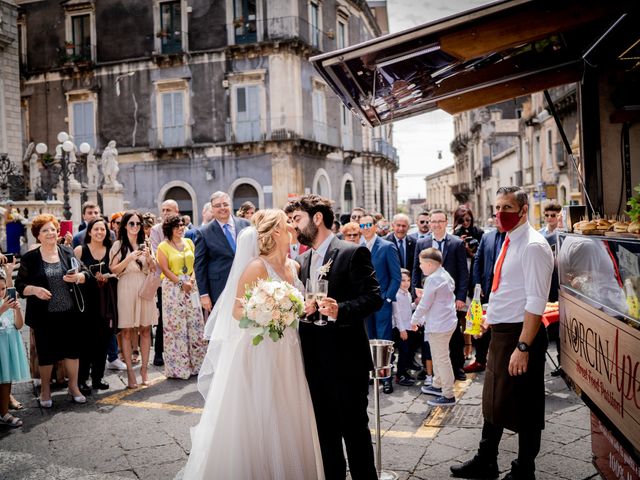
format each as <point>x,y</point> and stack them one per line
<point>112,201</point>
<point>75,200</point>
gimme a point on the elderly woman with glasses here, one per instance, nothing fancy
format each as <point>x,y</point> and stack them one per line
<point>183,330</point>
<point>48,278</point>
<point>131,259</point>
<point>351,232</point>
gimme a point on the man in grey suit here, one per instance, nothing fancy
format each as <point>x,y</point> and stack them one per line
<point>216,248</point>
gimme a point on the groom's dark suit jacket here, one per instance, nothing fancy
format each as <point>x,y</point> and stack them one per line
<point>353,284</point>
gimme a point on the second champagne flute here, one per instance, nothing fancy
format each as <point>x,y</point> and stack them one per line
<point>322,289</point>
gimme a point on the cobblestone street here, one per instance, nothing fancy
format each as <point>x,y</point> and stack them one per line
<point>144,434</point>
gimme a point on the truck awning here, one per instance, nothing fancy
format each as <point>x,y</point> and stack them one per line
<point>483,56</point>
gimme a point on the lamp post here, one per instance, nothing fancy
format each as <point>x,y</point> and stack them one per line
<point>64,165</point>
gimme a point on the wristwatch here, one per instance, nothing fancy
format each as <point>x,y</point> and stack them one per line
<point>523,347</point>
<point>180,283</point>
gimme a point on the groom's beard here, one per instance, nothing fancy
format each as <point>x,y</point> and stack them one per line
<point>308,235</point>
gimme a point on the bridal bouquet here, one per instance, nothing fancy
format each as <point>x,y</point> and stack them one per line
<point>270,307</point>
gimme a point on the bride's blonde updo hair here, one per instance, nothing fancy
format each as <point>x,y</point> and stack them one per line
<point>266,221</point>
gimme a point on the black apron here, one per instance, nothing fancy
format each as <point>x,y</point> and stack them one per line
<point>516,403</point>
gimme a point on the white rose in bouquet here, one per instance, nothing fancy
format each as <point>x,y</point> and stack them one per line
<point>269,308</point>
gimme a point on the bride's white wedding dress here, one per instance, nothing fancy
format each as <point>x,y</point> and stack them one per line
<point>258,420</point>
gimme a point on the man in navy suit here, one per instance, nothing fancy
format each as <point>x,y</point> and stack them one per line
<point>386,263</point>
<point>216,249</point>
<point>454,261</point>
<point>482,273</point>
<point>405,244</point>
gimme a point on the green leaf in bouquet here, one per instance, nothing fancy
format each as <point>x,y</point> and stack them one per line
<point>257,339</point>
<point>275,336</point>
<point>245,322</point>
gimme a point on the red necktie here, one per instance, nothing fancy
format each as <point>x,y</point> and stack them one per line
<point>496,275</point>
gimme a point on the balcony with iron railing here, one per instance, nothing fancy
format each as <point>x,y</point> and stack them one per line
<point>386,149</point>
<point>274,129</point>
<point>283,29</point>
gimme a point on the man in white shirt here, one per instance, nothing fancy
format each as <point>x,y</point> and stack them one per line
<point>513,394</point>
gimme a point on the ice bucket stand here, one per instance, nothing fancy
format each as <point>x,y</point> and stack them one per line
<point>381,353</point>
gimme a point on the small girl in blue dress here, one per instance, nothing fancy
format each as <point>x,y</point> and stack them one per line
<point>13,360</point>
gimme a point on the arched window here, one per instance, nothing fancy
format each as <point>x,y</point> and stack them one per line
<point>321,185</point>
<point>348,196</point>
<point>245,193</point>
<point>182,196</point>
<point>563,195</point>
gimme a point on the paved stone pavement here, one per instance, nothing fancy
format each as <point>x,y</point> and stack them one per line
<point>144,434</point>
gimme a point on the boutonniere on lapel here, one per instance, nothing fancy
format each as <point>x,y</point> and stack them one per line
<point>324,269</point>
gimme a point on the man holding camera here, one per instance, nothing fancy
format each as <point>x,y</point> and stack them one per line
<point>454,261</point>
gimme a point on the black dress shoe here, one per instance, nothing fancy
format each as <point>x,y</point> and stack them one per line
<point>387,387</point>
<point>422,375</point>
<point>519,473</point>
<point>477,467</point>
<point>100,385</point>
<point>84,388</point>
<point>158,361</point>
<point>460,375</point>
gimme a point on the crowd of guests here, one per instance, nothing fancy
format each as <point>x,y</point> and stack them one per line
<point>97,295</point>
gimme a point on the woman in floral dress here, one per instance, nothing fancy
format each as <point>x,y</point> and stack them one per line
<point>183,330</point>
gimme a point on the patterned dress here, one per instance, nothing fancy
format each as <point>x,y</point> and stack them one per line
<point>183,323</point>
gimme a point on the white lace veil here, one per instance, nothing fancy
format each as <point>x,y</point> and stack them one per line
<point>222,329</point>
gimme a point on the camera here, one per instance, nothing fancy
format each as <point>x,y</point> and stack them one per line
<point>472,243</point>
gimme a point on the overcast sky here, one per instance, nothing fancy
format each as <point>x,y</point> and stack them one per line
<point>419,139</point>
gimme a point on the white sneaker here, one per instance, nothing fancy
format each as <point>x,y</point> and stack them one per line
<point>117,364</point>
<point>428,381</point>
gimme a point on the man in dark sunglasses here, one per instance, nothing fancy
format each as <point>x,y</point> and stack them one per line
<point>423,226</point>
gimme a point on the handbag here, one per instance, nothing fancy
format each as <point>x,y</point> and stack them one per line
<point>149,286</point>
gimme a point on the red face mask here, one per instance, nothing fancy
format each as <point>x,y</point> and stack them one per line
<point>507,220</point>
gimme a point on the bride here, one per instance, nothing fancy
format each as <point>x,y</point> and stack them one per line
<point>258,420</point>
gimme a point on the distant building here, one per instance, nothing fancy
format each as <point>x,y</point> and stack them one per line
<point>205,96</point>
<point>516,143</point>
<point>10,121</point>
<point>439,190</point>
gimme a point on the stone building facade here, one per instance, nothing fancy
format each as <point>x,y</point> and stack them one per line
<point>203,96</point>
<point>10,121</point>
<point>439,190</point>
<point>516,143</point>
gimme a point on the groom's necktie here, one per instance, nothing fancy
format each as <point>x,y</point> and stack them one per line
<point>229,235</point>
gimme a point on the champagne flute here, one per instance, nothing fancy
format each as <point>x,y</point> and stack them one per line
<point>322,289</point>
<point>309,296</point>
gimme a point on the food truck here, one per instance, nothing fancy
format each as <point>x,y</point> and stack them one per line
<point>512,48</point>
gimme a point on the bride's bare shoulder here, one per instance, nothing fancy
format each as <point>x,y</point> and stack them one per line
<point>254,270</point>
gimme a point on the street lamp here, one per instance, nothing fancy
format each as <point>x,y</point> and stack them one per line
<point>64,165</point>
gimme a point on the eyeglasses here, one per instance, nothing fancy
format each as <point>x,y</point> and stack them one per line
<point>351,235</point>
<point>221,205</point>
<point>134,224</point>
<point>366,225</point>
<point>355,217</point>
<point>423,222</point>
<point>552,215</point>
<point>437,222</point>
<point>117,222</point>
<point>180,225</point>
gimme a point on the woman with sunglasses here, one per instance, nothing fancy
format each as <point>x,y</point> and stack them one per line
<point>351,232</point>
<point>131,260</point>
<point>183,329</point>
<point>97,323</point>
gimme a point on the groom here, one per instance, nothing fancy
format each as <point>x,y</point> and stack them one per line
<point>337,358</point>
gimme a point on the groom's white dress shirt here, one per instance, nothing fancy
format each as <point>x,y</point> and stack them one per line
<point>317,256</point>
